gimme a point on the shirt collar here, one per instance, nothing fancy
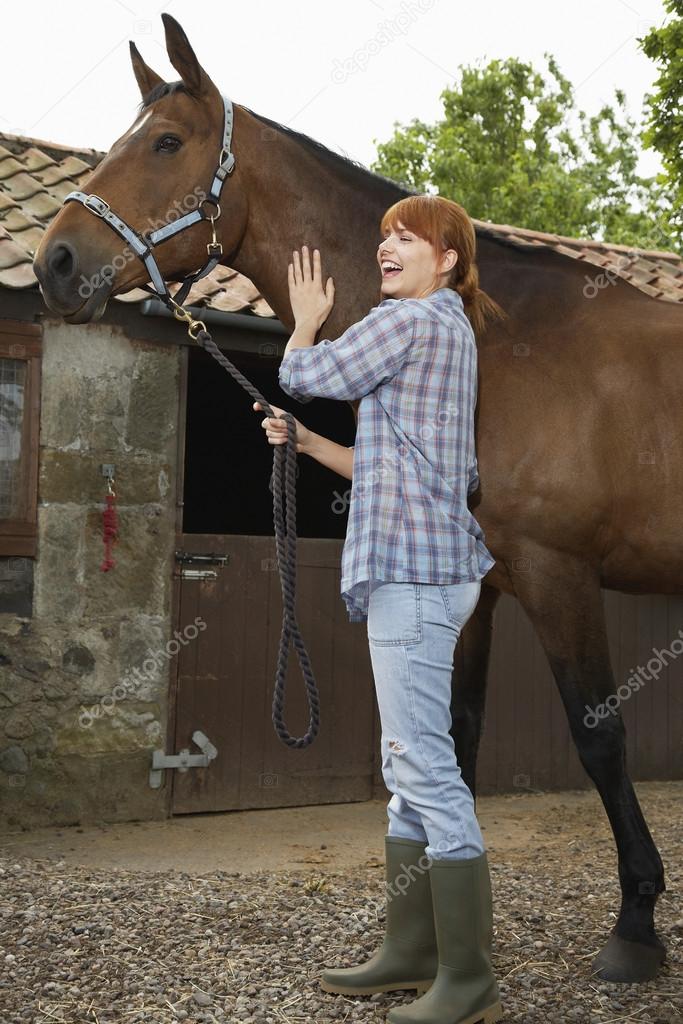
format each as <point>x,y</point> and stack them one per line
<point>443,298</point>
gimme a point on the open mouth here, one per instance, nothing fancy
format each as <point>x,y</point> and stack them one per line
<point>391,270</point>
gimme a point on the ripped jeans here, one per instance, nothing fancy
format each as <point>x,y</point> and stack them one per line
<point>412,632</point>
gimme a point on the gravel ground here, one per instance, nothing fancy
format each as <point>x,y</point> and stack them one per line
<point>117,946</point>
<point>94,946</point>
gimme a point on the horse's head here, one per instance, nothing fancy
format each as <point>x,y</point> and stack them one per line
<point>158,171</point>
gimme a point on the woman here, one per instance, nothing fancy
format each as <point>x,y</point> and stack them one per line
<point>412,565</point>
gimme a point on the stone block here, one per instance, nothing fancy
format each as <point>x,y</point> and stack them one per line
<point>143,657</point>
<point>59,574</point>
<point>85,385</point>
<point>80,790</point>
<point>17,725</point>
<point>115,726</point>
<point>13,759</point>
<point>153,408</point>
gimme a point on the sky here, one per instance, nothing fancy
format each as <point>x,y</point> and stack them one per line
<point>342,73</point>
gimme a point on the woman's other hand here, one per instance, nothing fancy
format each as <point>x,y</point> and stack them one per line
<point>311,303</point>
<point>276,429</point>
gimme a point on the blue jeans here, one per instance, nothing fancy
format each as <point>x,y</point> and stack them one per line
<point>412,632</point>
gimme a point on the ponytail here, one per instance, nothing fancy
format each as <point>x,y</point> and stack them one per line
<point>479,307</point>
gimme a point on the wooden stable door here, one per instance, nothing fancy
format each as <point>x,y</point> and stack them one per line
<point>226,674</point>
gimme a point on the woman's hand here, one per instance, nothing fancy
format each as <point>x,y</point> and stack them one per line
<point>311,303</point>
<point>276,429</point>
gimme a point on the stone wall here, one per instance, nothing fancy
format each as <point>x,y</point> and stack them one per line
<point>84,679</point>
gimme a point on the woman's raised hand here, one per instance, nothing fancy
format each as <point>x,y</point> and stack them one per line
<point>311,301</point>
<point>276,429</point>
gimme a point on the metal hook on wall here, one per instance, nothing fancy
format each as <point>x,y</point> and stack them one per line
<point>108,470</point>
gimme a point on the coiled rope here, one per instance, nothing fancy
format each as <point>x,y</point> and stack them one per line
<point>284,469</point>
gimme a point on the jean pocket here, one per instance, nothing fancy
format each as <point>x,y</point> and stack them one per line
<point>460,600</point>
<point>395,614</point>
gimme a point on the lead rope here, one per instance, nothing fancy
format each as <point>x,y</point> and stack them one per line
<point>284,467</point>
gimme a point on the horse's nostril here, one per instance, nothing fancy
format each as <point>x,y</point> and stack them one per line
<point>62,261</point>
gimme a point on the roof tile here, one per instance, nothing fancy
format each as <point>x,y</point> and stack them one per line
<point>134,295</point>
<point>74,167</point>
<point>598,259</point>
<point>9,166</point>
<point>29,239</point>
<point>649,290</point>
<point>61,190</point>
<point>42,206</point>
<point>670,269</point>
<point>21,276</point>
<point>22,185</point>
<point>7,204</point>
<point>14,220</point>
<point>51,175</point>
<point>10,253</point>
<point>34,159</point>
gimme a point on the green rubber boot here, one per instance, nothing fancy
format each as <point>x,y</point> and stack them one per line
<point>465,990</point>
<point>408,956</point>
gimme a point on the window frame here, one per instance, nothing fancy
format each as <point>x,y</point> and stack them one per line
<point>24,341</point>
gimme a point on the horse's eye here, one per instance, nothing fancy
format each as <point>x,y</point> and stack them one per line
<point>168,144</point>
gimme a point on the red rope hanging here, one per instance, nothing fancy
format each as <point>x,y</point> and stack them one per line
<point>110,529</point>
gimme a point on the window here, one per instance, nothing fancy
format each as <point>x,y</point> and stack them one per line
<point>20,353</point>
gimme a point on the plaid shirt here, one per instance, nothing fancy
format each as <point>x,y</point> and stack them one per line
<point>413,362</point>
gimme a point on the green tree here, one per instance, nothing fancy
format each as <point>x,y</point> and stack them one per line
<point>664,129</point>
<point>512,148</point>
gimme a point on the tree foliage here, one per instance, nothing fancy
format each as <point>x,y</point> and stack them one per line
<point>664,129</point>
<point>513,148</point>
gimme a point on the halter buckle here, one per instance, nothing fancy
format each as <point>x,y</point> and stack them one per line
<point>96,205</point>
<point>226,161</point>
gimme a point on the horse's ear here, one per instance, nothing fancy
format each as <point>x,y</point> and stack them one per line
<point>182,57</point>
<point>146,78</point>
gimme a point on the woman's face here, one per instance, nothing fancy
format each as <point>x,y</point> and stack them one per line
<point>418,262</point>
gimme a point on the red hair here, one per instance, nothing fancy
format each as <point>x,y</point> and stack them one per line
<point>447,225</point>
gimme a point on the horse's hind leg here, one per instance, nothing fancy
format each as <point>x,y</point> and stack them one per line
<point>561,595</point>
<point>471,664</point>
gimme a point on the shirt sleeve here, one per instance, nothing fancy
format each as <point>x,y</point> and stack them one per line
<point>366,355</point>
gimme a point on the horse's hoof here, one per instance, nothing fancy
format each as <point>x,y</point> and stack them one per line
<point>628,962</point>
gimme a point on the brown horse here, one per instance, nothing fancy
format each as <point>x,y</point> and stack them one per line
<point>579,418</point>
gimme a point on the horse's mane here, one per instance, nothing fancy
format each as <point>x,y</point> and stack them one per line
<point>350,169</point>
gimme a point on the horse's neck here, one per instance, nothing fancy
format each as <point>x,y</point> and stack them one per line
<point>296,199</point>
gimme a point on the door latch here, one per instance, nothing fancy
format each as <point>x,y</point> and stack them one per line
<point>182,761</point>
<point>195,566</point>
<point>190,558</point>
